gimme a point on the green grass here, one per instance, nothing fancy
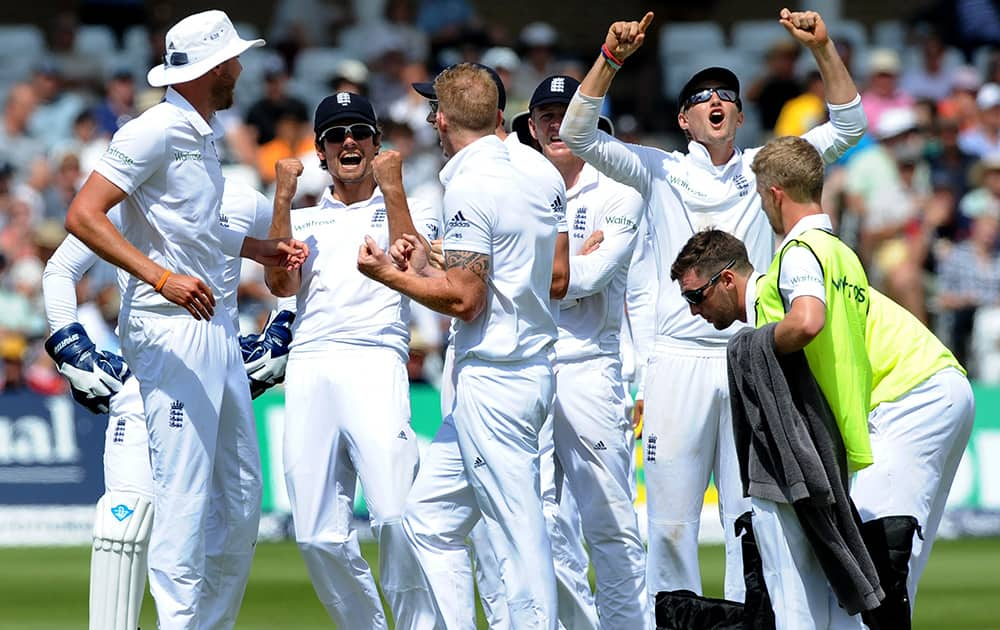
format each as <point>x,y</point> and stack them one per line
<point>47,588</point>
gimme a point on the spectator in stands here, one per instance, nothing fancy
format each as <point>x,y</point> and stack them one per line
<point>778,85</point>
<point>933,77</point>
<point>985,198</point>
<point>887,185</point>
<point>883,90</point>
<point>984,138</point>
<point>960,104</point>
<point>292,138</point>
<point>79,70</point>
<point>950,165</point>
<point>386,82</point>
<point>67,177</point>
<point>805,111</point>
<point>13,348</point>
<point>58,107</point>
<point>263,115</point>
<point>396,22</point>
<point>969,278</point>
<point>350,75</point>
<point>442,20</point>
<point>506,62</point>
<point>538,58</point>
<point>118,106</point>
<point>17,147</point>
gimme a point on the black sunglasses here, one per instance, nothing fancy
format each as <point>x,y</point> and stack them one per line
<point>697,296</point>
<point>358,131</point>
<point>703,96</point>
<point>434,105</point>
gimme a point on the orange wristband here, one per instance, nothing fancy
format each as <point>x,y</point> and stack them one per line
<point>163,281</point>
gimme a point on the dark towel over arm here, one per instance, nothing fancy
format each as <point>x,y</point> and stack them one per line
<point>790,451</point>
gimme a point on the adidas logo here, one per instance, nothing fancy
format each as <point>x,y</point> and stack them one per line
<point>402,435</point>
<point>479,462</point>
<point>600,446</point>
<point>458,220</point>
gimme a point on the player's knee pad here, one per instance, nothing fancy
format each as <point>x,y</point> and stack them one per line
<point>118,562</point>
<point>890,543</point>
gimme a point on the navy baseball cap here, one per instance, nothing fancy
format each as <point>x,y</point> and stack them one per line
<point>426,88</point>
<point>557,88</point>
<point>720,77</point>
<point>343,106</point>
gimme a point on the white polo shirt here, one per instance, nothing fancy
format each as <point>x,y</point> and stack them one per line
<point>686,193</point>
<point>244,210</point>
<point>542,174</point>
<point>167,163</point>
<point>489,210</point>
<point>591,316</point>
<point>336,303</point>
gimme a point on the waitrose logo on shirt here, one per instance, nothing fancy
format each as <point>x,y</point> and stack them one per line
<point>118,156</point>
<point>184,156</point>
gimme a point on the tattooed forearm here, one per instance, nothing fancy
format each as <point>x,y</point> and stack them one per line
<point>477,263</point>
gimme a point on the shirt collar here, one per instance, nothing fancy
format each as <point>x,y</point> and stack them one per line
<point>205,128</point>
<point>588,177</point>
<point>329,201</point>
<point>819,221</point>
<point>700,156</point>
<point>751,298</point>
<point>490,146</point>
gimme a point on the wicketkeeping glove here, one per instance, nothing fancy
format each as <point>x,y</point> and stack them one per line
<point>265,355</point>
<point>93,376</point>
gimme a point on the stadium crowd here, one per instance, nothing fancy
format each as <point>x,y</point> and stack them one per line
<point>919,197</point>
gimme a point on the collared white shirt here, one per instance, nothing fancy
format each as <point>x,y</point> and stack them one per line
<point>336,303</point>
<point>801,273</point>
<point>590,318</point>
<point>686,193</point>
<point>246,211</point>
<point>489,210</point>
<point>166,162</point>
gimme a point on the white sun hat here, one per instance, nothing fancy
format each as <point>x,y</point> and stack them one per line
<point>197,44</point>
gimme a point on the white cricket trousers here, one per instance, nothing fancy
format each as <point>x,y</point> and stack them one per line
<point>498,412</point>
<point>347,416</point>
<point>800,594</point>
<point>688,435</point>
<point>591,437</point>
<point>917,443</point>
<point>205,462</point>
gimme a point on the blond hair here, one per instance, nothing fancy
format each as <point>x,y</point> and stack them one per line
<point>792,164</point>
<point>468,97</point>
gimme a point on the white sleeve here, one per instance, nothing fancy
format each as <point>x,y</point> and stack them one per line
<point>425,218</point>
<point>844,129</point>
<point>261,217</point>
<point>640,304</point>
<point>801,275</point>
<point>469,226</point>
<point>63,272</point>
<point>591,273</point>
<point>136,151</point>
<point>625,163</point>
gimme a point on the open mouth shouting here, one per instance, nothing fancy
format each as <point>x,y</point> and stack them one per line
<point>351,159</point>
<point>716,117</point>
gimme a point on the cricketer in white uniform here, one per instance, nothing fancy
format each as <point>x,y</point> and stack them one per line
<point>442,471</point>
<point>922,410</point>
<point>163,167</point>
<point>499,244</point>
<point>687,432</point>
<point>348,406</point>
<point>124,512</point>
<point>591,427</point>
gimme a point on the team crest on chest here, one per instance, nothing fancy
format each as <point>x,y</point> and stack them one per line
<point>379,217</point>
<point>580,222</point>
<point>742,184</point>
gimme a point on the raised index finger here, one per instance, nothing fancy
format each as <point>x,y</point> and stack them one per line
<point>646,20</point>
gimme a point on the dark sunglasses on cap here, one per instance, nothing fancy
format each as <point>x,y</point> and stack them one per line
<point>703,96</point>
<point>358,131</point>
<point>697,296</point>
